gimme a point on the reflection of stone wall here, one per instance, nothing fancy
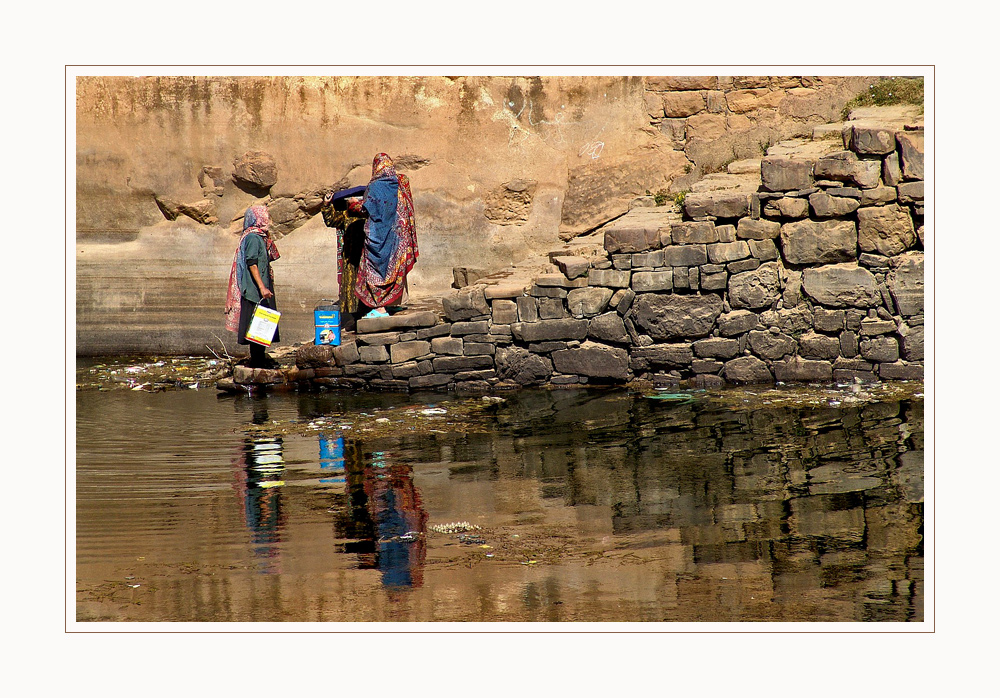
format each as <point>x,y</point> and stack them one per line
<point>797,506</point>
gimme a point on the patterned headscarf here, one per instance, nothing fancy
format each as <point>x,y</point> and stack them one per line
<point>382,167</point>
<point>257,221</point>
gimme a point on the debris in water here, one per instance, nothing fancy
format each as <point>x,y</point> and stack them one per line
<point>434,410</point>
<point>456,527</point>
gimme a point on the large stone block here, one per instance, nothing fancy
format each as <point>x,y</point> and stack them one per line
<point>465,304</point>
<point>521,366</point>
<point>880,349</point>
<point>819,242</point>
<point>346,353</point>
<point>768,345</point>
<point>911,154</point>
<point>797,368</point>
<point>545,330</point>
<point>818,346</point>
<point>453,364</point>
<point>628,236</point>
<point>255,169</point>
<point>901,370</point>
<point>315,356</point>
<point>716,348</point>
<point>826,206</point>
<point>764,250</point>
<point>789,320</point>
<point>911,192</point>
<point>747,369</point>
<point>552,309</point>
<point>892,174</point>
<point>787,207</point>
<point>593,360</point>
<point>886,230</point>
<point>691,232</point>
<point>872,140</point>
<point>647,259</point>
<point>649,281</point>
<point>608,327</point>
<point>750,229</point>
<point>460,329</point>
<point>841,286</point>
<point>527,309</point>
<point>912,343</point>
<point>867,173</point>
<point>737,322</point>
<point>668,316</point>
<point>508,291</point>
<point>373,354</point>
<point>453,346</point>
<point>723,252</point>
<point>612,278</point>
<point>572,266</point>
<point>588,301</point>
<point>783,174</point>
<point>657,356</point>
<point>681,104</point>
<point>408,351</point>
<point>718,204</point>
<point>504,312</point>
<point>839,167</point>
<point>685,256</point>
<point>757,288</point>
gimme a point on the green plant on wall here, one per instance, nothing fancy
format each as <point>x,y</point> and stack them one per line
<point>679,198</point>
<point>660,197</point>
<point>886,92</point>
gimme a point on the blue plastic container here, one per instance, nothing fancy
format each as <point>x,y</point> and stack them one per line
<point>327,319</point>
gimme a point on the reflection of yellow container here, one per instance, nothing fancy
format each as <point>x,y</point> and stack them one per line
<point>263,325</point>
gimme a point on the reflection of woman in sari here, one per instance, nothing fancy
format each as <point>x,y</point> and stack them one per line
<point>385,517</point>
<point>390,238</point>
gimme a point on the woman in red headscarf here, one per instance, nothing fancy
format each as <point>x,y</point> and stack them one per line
<point>251,281</point>
<point>390,237</point>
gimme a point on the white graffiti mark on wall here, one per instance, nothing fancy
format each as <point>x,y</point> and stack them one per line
<point>551,131</point>
<point>593,147</point>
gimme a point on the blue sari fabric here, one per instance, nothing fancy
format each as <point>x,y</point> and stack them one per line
<point>380,203</point>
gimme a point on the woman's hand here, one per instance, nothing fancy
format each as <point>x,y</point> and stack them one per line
<point>266,293</point>
<point>327,198</point>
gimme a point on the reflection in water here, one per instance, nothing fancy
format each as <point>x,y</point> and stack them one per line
<point>792,502</point>
<point>260,465</point>
<point>384,517</point>
<point>595,505</point>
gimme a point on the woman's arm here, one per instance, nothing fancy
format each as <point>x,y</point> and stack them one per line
<point>255,273</point>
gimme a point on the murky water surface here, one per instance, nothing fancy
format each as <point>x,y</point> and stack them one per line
<point>568,505</point>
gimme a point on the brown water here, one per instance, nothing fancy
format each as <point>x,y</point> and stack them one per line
<point>581,505</point>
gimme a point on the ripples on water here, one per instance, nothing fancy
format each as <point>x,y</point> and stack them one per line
<point>581,505</point>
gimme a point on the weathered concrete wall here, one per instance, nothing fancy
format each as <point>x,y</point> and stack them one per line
<point>502,168</point>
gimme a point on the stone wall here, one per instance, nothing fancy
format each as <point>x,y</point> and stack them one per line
<point>816,275</point>
<point>716,120</point>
